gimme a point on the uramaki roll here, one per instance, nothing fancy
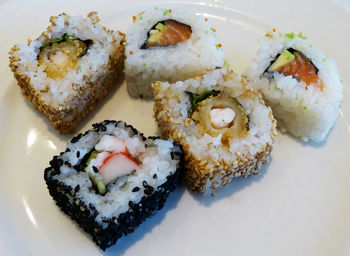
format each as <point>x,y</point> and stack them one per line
<point>225,129</point>
<point>168,45</point>
<point>299,83</point>
<point>111,178</point>
<point>69,68</point>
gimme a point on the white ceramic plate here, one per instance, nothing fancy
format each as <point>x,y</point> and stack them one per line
<point>300,205</point>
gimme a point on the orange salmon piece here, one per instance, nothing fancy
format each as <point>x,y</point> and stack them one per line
<point>303,70</point>
<point>174,33</point>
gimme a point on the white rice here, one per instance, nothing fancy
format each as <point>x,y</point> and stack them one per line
<point>178,62</point>
<point>307,114</point>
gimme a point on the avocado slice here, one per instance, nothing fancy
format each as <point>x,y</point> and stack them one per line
<point>285,57</point>
<point>155,34</point>
<point>96,178</point>
<point>93,155</point>
<point>161,27</point>
<point>154,37</point>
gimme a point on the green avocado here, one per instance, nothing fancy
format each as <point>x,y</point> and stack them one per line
<point>96,178</point>
<point>93,155</point>
<point>161,27</point>
<point>155,34</point>
<point>282,60</point>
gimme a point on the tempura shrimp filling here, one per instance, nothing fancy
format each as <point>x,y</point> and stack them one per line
<point>237,128</point>
<point>59,58</point>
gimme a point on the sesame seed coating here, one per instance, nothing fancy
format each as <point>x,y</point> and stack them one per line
<point>67,114</point>
<point>206,173</point>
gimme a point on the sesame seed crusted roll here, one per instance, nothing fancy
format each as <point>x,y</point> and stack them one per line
<point>111,178</point>
<point>68,68</point>
<point>225,129</point>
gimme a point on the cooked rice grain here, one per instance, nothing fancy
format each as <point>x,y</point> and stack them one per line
<point>66,101</point>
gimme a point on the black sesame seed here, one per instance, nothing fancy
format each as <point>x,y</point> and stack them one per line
<point>144,184</point>
<point>103,128</point>
<point>135,189</point>
<point>122,216</point>
<point>147,191</point>
<point>77,188</point>
<point>95,169</point>
<point>92,207</point>
<point>176,155</point>
<point>76,138</point>
<point>60,162</point>
<point>155,176</point>
<point>78,154</point>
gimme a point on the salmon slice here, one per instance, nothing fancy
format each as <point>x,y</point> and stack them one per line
<point>173,33</point>
<point>302,69</point>
<point>176,32</point>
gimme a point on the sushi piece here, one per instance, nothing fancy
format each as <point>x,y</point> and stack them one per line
<point>168,45</point>
<point>111,178</point>
<point>299,83</point>
<point>225,129</point>
<point>69,68</point>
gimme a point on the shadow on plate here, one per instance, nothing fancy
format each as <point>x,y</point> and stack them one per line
<point>309,143</point>
<point>158,132</point>
<point>14,91</point>
<point>125,242</point>
<point>236,184</point>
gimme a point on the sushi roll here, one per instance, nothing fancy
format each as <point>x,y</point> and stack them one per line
<point>168,45</point>
<point>111,178</point>
<point>69,68</point>
<point>299,83</point>
<point>225,129</point>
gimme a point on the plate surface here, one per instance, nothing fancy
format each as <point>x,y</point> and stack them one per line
<point>299,205</point>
